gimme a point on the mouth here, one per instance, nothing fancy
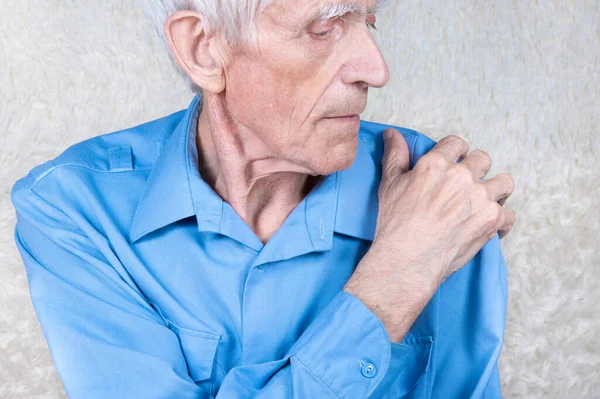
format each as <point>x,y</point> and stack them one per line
<point>345,118</point>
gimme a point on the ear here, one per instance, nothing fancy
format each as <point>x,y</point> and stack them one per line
<point>195,51</point>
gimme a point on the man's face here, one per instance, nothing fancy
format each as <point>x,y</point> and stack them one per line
<point>306,75</point>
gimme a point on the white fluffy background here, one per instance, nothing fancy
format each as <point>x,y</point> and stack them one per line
<point>518,79</point>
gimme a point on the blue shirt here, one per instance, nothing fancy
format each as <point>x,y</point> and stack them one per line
<point>148,285</point>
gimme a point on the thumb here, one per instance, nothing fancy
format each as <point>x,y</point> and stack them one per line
<point>395,154</point>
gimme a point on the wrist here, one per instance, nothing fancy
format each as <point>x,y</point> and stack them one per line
<point>396,296</point>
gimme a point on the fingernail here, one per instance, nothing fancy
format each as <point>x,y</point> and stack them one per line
<point>387,134</point>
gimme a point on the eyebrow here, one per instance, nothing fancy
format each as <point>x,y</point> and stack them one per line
<point>334,10</point>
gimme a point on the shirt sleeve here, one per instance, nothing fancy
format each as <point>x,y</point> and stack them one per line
<point>107,341</point>
<point>475,302</point>
<point>344,353</point>
<point>493,389</point>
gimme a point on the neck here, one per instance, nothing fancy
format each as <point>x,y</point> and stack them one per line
<point>260,185</point>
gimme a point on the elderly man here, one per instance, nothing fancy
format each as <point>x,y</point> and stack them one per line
<point>266,242</point>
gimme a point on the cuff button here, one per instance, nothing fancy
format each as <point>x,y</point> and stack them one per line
<point>368,370</point>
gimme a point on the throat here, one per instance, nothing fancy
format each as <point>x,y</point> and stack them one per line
<point>267,221</point>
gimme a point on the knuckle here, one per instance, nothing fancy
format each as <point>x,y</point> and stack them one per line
<point>435,161</point>
<point>493,218</point>
<point>484,155</point>
<point>462,174</point>
<point>439,163</point>
<point>481,191</point>
<point>459,141</point>
<point>453,138</point>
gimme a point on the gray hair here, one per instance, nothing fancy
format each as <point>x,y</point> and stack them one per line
<point>234,19</point>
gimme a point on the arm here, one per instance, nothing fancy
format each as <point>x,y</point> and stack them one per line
<point>476,295</point>
<point>107,341</point>
<point>104,338</point>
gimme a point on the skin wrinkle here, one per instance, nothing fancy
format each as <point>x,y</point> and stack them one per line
<point>292,113</point>
<point>262,133</point>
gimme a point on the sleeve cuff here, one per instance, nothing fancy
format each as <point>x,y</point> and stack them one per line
<point>347,347</point>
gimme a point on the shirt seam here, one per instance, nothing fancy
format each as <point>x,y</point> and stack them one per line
<point>37,180</point>
<point>306,219</point>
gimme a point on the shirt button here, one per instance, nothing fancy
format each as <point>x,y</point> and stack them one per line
<point>261,268</point>
<point>369,370</point>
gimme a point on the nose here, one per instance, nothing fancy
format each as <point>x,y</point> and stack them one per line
<point>366,62</point>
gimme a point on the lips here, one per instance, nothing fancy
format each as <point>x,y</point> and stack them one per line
<point>349,116</point>
<point>344,120</point>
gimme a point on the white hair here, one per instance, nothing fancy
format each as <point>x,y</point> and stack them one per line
<point>234,19</point>
<point>334,10</point>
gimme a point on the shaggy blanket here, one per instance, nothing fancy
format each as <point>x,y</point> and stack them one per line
<point>518,79</point>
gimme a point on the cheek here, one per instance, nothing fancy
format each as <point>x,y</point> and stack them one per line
<point>258,98</point>
<point>285,84</point>
<point>280,95</point>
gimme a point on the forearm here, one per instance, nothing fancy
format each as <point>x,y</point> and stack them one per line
<point>398,310</point>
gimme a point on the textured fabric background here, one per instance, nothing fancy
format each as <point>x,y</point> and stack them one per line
<point>518,79</point>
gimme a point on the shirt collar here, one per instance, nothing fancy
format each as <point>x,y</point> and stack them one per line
<point>167,195</point>
<point>344,201</point>
<point>358,202</point>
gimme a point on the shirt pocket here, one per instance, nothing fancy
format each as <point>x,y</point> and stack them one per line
<point>414,369</point>
<point>199,349</point>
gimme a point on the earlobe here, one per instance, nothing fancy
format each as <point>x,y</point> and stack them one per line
<point>191,45</point>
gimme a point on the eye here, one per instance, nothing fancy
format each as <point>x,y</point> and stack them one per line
<point>372,26</point>
<point>324,29</point>
<point>324,34</point>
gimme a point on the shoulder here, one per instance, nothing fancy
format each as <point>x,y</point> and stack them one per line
<point>371,134</point>
<point>103,175</point>
<point>131,149</point>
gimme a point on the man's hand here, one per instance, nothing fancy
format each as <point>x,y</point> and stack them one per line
<point>432,220</point>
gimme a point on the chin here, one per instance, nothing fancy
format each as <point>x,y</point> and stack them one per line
<point>338,157</point>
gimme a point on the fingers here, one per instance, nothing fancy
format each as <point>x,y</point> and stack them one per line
<point>509,219</point>
<point>478,162</point>
<point>396,155</point>
<point>500,187</point>
<point>451,148</point>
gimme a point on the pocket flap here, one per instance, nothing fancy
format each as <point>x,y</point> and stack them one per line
<point>199,349</point>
